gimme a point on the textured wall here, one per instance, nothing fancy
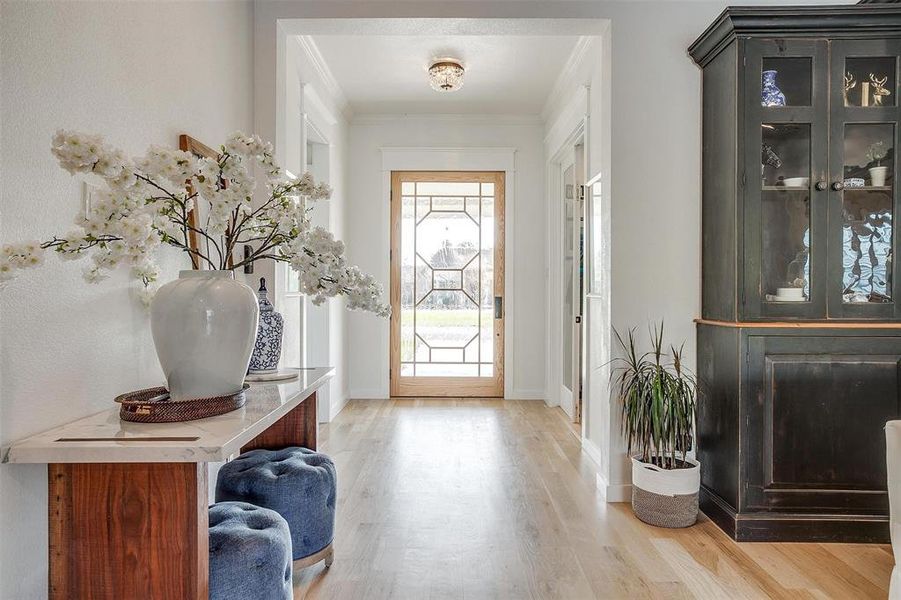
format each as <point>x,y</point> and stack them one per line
<point>140,73</point>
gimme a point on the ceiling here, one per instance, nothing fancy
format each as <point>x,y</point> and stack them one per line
<point>505,74</point>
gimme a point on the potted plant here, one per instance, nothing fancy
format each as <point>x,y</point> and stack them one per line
<point>876,153</point>
<point>204,323</point>
<point>658,397</point>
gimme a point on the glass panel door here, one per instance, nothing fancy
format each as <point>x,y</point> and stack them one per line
<point>447,284</point>
<point>865,135</point>
<point>784,214</point>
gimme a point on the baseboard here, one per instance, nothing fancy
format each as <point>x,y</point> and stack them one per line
<point>592,450</point>
<point>519,394</point>
<point>367,394</point>
<point>793,527</point>
<point>621,492</point>
<point>336,408</point>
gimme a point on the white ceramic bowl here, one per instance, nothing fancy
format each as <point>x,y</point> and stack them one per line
<point>790,293</point>
<point>798,182</point>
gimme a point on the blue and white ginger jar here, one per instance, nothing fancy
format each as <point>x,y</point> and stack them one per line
<point>267,349</point>
<point>771,95</point>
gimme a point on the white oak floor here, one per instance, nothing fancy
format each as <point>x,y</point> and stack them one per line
<point>494,499</point>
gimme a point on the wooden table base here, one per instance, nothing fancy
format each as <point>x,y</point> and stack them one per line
<point>122,531</point>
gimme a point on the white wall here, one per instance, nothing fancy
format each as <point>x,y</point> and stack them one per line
<point>140,73</point>
<point>368,229</point>
<point>649,164</point>
<point>310,103</point>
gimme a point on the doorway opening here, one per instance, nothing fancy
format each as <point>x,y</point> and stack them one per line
<point>447,283</point>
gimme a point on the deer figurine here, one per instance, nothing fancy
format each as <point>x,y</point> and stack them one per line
<point>879,89</point>
<point>849,85</point>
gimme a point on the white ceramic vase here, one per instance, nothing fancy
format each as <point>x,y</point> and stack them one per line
<point>878,176</point>
<point>204,324</point>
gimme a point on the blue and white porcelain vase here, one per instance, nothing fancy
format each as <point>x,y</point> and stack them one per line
<point>267,350</point>
<point>771,95</point>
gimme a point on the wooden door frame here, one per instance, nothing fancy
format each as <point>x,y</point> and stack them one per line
<point>492,387</point>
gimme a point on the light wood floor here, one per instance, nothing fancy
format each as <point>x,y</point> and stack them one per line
<point>493,499</point>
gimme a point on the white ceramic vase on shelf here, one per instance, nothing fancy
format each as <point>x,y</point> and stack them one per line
<point>878,176</point>
<point>204,324</point>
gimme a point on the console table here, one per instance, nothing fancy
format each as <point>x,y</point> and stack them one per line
<point>128,501</point>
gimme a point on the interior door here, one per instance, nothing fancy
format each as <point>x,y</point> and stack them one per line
<point>447,283</point>
<point>572,175</point>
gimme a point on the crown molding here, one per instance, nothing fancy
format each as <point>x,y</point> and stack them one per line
<point>475,119</point>
<point>564,82</point>
<point>311,51</point>
<point>841,21</point>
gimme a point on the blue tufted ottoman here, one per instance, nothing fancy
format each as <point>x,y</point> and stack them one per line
<point>298,484</point>
<point>250,553</point>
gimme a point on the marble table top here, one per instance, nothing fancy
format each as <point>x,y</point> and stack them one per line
<point>103,437</point>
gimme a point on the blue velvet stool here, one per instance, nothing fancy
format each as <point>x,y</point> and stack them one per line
<point>250,553</point>
<point>298,484</point>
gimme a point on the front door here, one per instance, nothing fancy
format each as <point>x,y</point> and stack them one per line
<point>447,283</point>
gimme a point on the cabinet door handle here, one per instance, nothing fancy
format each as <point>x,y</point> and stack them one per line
<point>821,186</point>
<point>838,186</point>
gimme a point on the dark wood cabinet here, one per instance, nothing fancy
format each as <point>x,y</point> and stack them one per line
<point>799,340</point>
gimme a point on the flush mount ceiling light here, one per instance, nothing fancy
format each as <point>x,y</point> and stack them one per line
<point>446,75</point>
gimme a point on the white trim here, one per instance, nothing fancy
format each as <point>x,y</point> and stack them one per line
<point>521,394</point>
<point>311,50</point>
<point>571,116</point>
<point>294,18</point>
<point>337,407</point>
<point>553,258</point>
<point>475,119</point>
<point>593,452</point>
<point>565,82</point>
<point>565,401</point>
<point>432,158</point>
<point>367,394</point>
<point>405,158</point>
<point>614,493</point>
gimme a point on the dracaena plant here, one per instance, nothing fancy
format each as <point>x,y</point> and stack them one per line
<point>147,202</point>
<point>658,400</point>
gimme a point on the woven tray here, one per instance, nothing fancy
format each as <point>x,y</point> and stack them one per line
<point>154,406</point>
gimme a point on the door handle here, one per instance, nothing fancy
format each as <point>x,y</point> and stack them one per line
<point>838,186</point>
<point>498,307</point>
<point>821,186</point>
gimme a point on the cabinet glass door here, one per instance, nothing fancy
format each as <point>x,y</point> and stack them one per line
<point>864,199</point>
<point>785,217</point>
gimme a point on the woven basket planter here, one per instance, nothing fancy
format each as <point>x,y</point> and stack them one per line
<point>666,497</point>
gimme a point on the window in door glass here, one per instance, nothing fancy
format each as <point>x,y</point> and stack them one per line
<point>785,82</point>
<point>870,81</point>
<point>785,212</point>
<point>867,212</point>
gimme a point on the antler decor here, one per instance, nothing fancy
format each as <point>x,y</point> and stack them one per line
<point>879,89</point>
<point>850,83</point>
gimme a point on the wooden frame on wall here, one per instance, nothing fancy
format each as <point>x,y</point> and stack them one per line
<point>188,144</point>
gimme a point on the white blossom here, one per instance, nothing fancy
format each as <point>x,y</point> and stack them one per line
<point>144,203</point>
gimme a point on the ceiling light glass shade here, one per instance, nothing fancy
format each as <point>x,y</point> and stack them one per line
<point>446,75</point>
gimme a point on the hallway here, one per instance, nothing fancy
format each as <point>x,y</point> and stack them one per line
<point>494,499</point>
